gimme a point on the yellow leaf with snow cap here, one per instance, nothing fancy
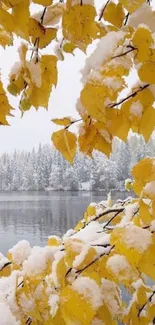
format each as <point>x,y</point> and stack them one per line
<point>131,5</point>
<point>39,96</point>
<point>65,142</point>
<point>85,294</point>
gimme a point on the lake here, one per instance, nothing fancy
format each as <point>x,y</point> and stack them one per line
<point>36,215</point>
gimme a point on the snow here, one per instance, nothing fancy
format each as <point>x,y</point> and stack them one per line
<point>136,109</point>
<point>37,261</point>
<point>35,72</point>
<point>89,233</point>
<point>149,188</point>
<point>103,51</point>
<point>114,82</point>
<point>130,210</point>
<point>54,304</point>
<point>97,321</point>
<point>3,260</point>
<point>89,289</point>
<point>152,227</point>
<point>27,302</point>
<point>137,238</point>
<point>15,69</point>
<point>120,267</point>
<point>143,14</point>
<point>80,258</point>
<point>20,252</point>
<point>53,276</point>
<point>6,317</point>
<point>110,295</point>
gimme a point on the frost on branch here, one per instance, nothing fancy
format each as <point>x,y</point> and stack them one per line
<point>77,279</point>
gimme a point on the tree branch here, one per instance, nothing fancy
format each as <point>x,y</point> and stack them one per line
<point>94,261</point>
<point>149,300</point>
<point>102,11</point>
<point>123,54</point>
<point>107,212</point>
<point>130,96</point>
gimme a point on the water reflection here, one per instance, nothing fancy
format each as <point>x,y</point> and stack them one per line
<point>36,215</point>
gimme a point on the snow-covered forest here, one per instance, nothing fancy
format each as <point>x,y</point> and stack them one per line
<point>45,168</point>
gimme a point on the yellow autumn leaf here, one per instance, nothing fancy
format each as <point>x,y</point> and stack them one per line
<point>79,24</point>
<point>16,84</point>
<point>144,213</point>
<point>65,142</point>
<point>62,121</point>
<point>35,28</point>
<point>25,105</point>
<point>7,21</point>
<point>102,145</point>
<point>43,2</point>
<point>143,171</point>
<point>146,72</point>
<point>92,98</point>
<point>47,37</point>
<point>69,47</point>
<point>39,96</point>
<point>5,108</point>
<point>149,118</point>
<point>86,141</point>
<point>5,38</point>
<point>69,300</point>
<point>114,14</point>
<point>20,13</point>
<point>142,41</point>
<point>142,37</point>
<point>117,124</point>
<point>131,5</point>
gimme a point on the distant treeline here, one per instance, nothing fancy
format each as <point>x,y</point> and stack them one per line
<point>45,168</point>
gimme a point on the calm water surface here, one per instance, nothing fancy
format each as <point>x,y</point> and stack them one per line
<point>36,215</point>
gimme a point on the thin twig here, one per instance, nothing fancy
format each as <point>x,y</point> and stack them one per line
<point>72,122</point>
<point>102,11</point>
<point>130,96</point>
<point>123,54</point>
<point>107,212</point>
<point>126,19</point>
